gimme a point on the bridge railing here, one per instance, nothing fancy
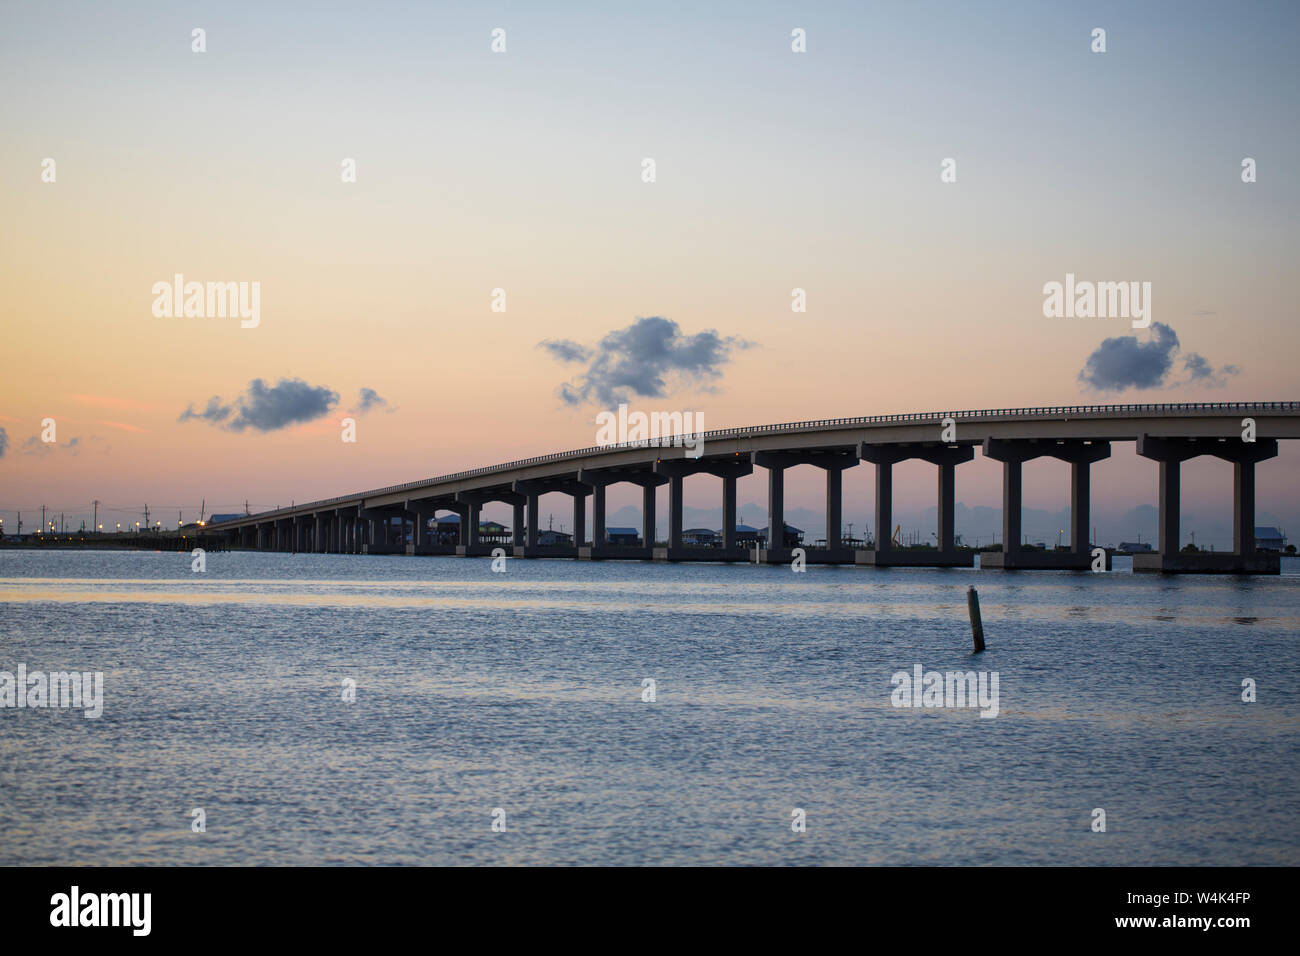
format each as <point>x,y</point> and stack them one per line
<point>1003,414</point>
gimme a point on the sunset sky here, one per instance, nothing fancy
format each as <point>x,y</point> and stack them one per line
<point>522,171</point>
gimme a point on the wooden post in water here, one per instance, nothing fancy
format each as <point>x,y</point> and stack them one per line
<point>976,625</point>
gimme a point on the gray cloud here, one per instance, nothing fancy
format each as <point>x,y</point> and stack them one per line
<point>214,413</point>
<point>290,401</point>
<point>1202,372</point>
<point>368,399</point>
<point>640,359</point>
<point>566,350</point>
<point>1126,362</point>
<point>34,446</point>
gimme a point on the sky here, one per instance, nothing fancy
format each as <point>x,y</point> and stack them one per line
<point>524,171</point>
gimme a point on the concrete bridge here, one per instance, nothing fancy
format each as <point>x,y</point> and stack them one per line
<point>1079,434</point>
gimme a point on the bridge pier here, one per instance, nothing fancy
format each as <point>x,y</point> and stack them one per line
<point>377,529</point>
<point>597,482</point>
<point>945,553</point>
<point>533,489</point>
<point>833,461</point>
<point>1171,453</point>
<point>1013,454</point>
<point>675,471</point>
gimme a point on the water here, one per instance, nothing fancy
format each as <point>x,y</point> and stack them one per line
<point>522,691</point>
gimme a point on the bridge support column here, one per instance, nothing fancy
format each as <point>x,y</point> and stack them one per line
<point>1012,505</point>
<point>884,506</point>
<point>517,525</point>
<point>834,507</point>
<point>648,516</point>
<point>947,506</point>
<point>675,512</point>
<point>775,511</point>
<point>595,482</point>
<point>674,471</point>
<point>945,553</point>
<point>597,515</point>
<point>579,517</point>
<point>884,457</point>
<point>947,459</point>
<point>1243,508</point>
<point>834,461</point>
<point>728,513</point>
<point>1080,507</point>
<point>1170,453</point>
<point>530,535</point>
<point>470,520</point>
<point>1013,454</point>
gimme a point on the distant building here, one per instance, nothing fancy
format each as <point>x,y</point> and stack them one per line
<point>793,536</point>
<point>701,538</point>
<point>1269,539</point>
<point>549,536</point>
<point>446,530</point>
<point>1135,547</point>
<point>623,536</point>
<point>747,537</point>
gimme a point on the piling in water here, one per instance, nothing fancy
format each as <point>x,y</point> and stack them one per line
<point>976,625</point>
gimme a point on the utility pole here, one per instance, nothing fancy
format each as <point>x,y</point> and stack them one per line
<point>42,519</point>
<point>246,511</point>
<point>95,523</point>
<point>146,517</point>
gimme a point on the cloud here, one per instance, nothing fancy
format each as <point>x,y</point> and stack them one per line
<point>4,442</point>
<point>214,413</point>
<point>641,359</point>
<point>1126,362</point>
<point>1202,372</point>
<point>290,401</point>
<point>35,446</point>
<point>566,351</point>
<point>368,399</point>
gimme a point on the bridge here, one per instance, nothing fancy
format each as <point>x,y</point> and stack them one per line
<point>394,519</point>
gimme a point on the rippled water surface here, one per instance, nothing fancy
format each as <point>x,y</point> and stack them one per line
<point>522,691</point>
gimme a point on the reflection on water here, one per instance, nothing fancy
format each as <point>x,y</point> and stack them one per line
<point>523,691</point>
